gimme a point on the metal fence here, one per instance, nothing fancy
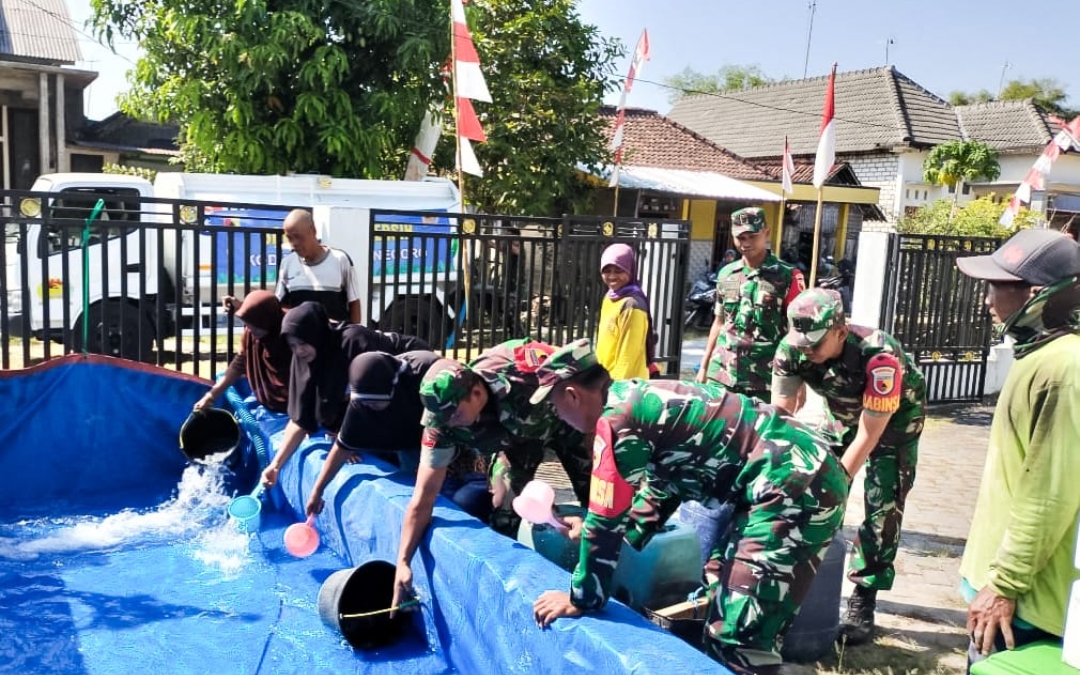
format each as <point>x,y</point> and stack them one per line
<point>144,278</point>
<point>467,281</point>
<point>938,314</point>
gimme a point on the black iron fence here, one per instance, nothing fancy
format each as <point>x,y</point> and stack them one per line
<point>109,271</point>
<point>938,314</point>
<point>468,281</point>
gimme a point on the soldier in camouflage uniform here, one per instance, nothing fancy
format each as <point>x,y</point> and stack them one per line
<point>480,415</point>
<point>877,392</point>
<point>752,295</point>
<point>658,443</point>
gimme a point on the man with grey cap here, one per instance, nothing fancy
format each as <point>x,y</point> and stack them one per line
<point>877,393</point>
<point>1018,564</point>
<point>752,294</point>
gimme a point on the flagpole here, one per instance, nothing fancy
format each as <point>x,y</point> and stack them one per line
<point>466,268</point>
<point>615,209</point>
<point>817,238</point>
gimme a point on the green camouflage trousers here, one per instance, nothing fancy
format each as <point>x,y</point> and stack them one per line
<point>771,559</point>
<point>525,458</point>
<point>890,473</point>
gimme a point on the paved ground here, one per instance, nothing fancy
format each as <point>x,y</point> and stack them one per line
<point>923,613</point>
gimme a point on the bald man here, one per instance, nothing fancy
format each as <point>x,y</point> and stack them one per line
<point>316,272</point>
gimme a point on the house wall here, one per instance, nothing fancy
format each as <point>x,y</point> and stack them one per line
<point>880,171</point>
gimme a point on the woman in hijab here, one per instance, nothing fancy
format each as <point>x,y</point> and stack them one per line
<point>383,414</point>
<point>264,357</point>
<point>626,343</point>
<point>322,351</point>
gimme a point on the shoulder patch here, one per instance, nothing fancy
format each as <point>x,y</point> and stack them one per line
<point>883,383</point>
<point>609,493</point>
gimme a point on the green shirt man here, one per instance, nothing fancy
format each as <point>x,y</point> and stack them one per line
<point>752,295</point>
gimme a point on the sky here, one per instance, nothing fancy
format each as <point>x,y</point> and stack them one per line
<point>944,46</point>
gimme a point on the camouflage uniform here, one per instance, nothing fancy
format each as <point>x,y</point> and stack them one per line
<point>508,424</point>
<point>863,376</point>
<point>658,443</point>
<point>752,304</point>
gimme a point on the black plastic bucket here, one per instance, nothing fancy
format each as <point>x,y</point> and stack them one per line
<point>211,436</point>
<point>367,588</point>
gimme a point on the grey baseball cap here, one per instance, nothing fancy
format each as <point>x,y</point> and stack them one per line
<point>1035,257</point>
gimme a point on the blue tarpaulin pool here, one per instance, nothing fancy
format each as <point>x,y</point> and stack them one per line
<point>116,556</point>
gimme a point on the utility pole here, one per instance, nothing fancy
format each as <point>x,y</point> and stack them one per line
<point>809,34</point>
<point>1001,80</point>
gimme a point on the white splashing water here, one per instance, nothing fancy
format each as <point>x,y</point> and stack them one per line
<point>196,515</point>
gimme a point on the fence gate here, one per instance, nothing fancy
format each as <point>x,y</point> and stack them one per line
<point>938,314</point>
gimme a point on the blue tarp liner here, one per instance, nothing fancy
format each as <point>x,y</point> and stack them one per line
<point>91,435</point>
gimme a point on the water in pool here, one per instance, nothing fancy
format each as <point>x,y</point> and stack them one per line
<point>172,588</point>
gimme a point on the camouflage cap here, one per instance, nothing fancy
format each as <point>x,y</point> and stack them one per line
<point>441,390</point>
<point>812,314</point>
<point>563,364</point>
<point>750,219</point>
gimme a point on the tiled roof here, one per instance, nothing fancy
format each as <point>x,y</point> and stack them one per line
<point>840,174</point>
<point>1005,125</point>
<point>652,140</point>
<point>38,31</point>
<point>876,110</point>
<point>121,132</point>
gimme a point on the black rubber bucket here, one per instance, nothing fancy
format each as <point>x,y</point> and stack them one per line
<point>367,588</point>
<point>211,436</point>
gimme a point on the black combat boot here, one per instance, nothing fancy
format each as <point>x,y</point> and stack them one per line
<point>857,626</point>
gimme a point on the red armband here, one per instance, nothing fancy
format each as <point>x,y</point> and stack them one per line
<point>884,376</point>
<point>609,493</point>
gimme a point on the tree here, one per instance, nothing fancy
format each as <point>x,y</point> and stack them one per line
<point>339,88</point>
<point>1047,93</point>
<point>548,74</point>
<point>727,78</point>
<point>977,218</point>
<point>965,98</point>
<point>956,161</point>
<point>271,86</point>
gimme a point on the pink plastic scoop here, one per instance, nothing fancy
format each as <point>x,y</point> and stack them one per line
<point>535,502</point>
<point>302,539</point>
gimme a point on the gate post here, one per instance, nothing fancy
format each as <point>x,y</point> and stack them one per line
<point>870,302</point>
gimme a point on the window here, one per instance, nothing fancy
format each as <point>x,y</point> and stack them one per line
<point>66,216</point>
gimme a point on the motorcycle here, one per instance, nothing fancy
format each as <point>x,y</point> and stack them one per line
<point>842,282</point>
<point>699,301</point>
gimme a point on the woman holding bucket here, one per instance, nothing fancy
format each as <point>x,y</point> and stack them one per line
<point>318,378</point>
<point>264,356</point>
<point>384,414</point>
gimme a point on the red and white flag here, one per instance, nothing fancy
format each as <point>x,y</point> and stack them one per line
<point>641,55</point>
<point>1063,141</point>
<point>469,84</point>
<point>787,169</point>
<point>826,147</point>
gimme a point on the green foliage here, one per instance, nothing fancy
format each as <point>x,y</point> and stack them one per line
<point>977,218</point>
<point>1047,93</point>
<point>548,74</point>
<point>339,88</point>
<point>967,98</point>
<point>275,86</point>
<point>955,161</point>
<point>140,171</point>
<point>727,78</point>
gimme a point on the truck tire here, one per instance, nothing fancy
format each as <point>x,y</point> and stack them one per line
<point>413,316</point>
<point>117,328</point>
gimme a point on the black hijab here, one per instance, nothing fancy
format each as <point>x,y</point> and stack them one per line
<point>316,389</point>
<point>384,408</point>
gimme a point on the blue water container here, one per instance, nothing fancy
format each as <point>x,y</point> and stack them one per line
<point>662,573</point>
<point>817,624</point>
<point>549,542</point>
